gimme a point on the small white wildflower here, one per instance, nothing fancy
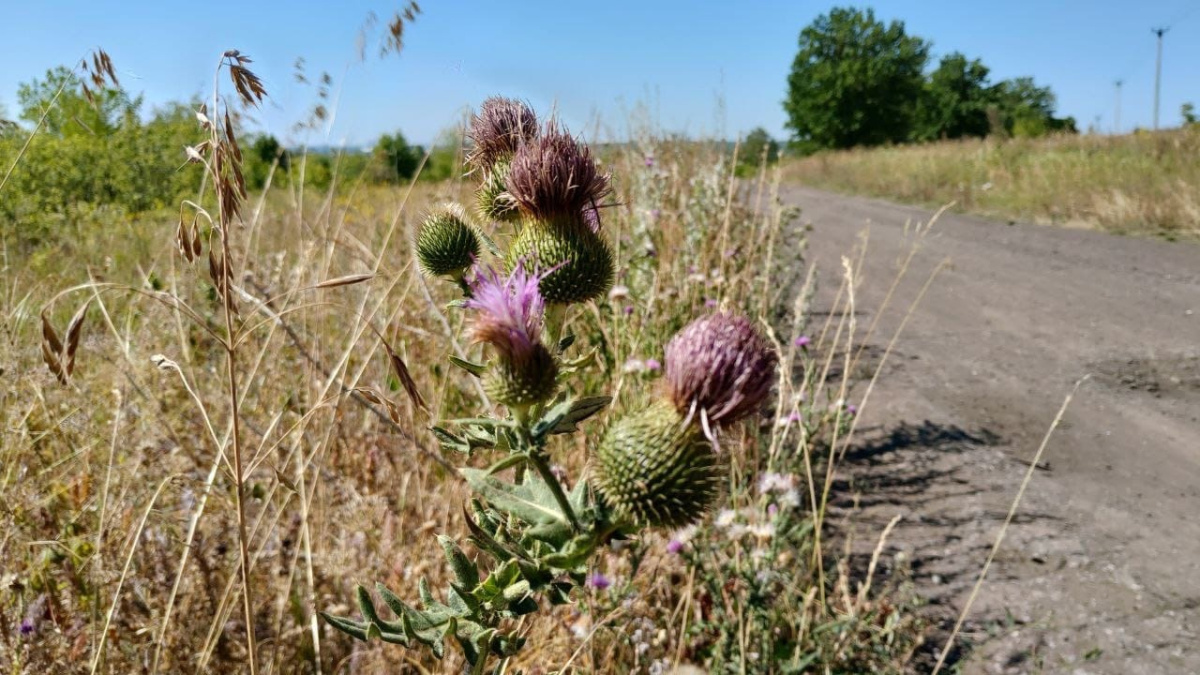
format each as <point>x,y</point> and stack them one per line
<point>633,366</point>
<point>763,531</point>
<point>618,293</point>
<point>726,517</point>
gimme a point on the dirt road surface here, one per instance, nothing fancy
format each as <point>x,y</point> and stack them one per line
<point>1100,572</point>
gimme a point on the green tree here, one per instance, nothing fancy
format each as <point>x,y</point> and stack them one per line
<point>396,158</point>
<point>1023,109</point>
<point>60,97</point>
<point>854,81</point>
<point>750,157</point>
<point>1188,111</point>
<point>956,99</point>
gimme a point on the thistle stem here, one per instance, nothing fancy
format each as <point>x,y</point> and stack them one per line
<point>538,459</point>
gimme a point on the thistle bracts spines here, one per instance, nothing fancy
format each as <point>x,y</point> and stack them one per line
<point>653,470</point>
<point>501,126</point>
<point>492,198</point>
<point>582,262</point>
<point>720,368</point>
<point>555,176</point>
<point>447,244</point>
<point>525,381</point>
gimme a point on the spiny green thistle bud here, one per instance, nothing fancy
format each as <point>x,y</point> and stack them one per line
<point>495,204</point>
<point>446,243</point>
<point>522,383</point>
<point>654,470</point>
<point>510,319</point>
<point>581,262</point>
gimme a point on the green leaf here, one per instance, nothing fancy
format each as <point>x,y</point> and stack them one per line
<point>518,500</point>
<point>451,442</point>
<point>579,411</point>
<point>506,463</point>
<point>354,629</point>
<point>485,422</point>
<point>463,568</point>
<point>476,369</point>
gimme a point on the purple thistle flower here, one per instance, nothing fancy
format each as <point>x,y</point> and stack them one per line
<point>674,547</point>
<point>649,161</point>
<point>653,364</point>
<point>500,127</point>
<point>719,367</point>
<point>802,342</point>
<point>628,310</point>
<point>555,176</point>
<point>852,409</point>
<point>598,581</point>
<point>710,303</point>
<point>27,627</point>
<point>510,311</point>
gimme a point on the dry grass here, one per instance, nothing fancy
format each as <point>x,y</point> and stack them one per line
<point>1137,183</point>
<point>128,521</point>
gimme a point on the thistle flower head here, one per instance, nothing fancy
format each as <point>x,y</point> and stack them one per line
<point>510,310</point>
<point>652,468</point>
<point>501,126</point>
<point>510,319</point>
<point>719,367</point>
<point>555,177</point>
<point>581,263</point>
<point>446,243</point>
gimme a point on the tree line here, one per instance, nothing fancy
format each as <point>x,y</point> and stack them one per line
<point>96,150</point>
<point>857,81</point>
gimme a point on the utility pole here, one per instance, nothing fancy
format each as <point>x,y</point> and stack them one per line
<point>1117,112</point>
<point>1158,72</point>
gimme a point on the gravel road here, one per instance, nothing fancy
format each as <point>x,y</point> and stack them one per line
<point>1100,572</point>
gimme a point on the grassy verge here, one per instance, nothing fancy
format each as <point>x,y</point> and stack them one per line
<point>119,515</point>
<point>1146,183</point>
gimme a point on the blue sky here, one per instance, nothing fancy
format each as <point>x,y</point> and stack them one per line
<point>594,62</point>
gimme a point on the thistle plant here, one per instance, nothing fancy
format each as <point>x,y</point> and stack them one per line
<point>657,467</point>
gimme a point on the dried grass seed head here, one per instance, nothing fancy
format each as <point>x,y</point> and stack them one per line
<point>719,367</point>
<point>501,126</point>
<point>556,177</point>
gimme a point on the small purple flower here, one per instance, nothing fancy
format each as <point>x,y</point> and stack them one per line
<point>772,510</point>
<point>598,581</point>
<point>710,303</point>
<point>851,409</point>
<point>674,547</point>
<point>649,161</point>
<point>653,364</point>
<point>27,628</point>
<point>654,214</point>
<point>628,310</point>
<point>510,311</point>
<point>793,417</point>
<point>802,342</point>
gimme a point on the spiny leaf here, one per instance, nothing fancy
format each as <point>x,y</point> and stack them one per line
<point>517,500</point>
<point>464,570</point>
<point>579,411</point>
